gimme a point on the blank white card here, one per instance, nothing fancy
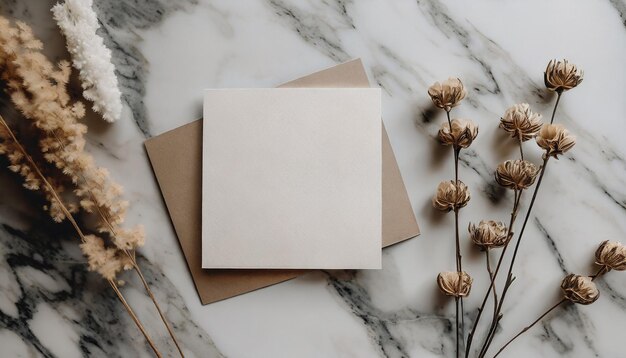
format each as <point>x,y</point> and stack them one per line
<point>292,178</point>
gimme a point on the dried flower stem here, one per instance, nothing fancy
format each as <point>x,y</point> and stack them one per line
<point>563,300</point>
<point>134,317</point>
<point>79,231</point>
<point>510,278</point>
<point>131,256</point>
<point>459,265</point>
<point>492,278</point>
<point>600,272</point>
<point>517,196</point>
<point>558,98</point>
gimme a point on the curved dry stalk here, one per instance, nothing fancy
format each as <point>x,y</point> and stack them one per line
<point>79,231</point>
<point>600,272</point>
<point>132,314</point>
<point>459,265</point>
<point>517,196</point>
<point>131,256</point>
<point>531,325</point>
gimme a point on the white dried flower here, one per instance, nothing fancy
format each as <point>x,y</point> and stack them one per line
<point>579,289</point>
<point>611,255</point>
<point>90,56</point>
<point>489,234</point>
<point>562,76</point>
<point>451,196</point>
<point>521,122</point>
<point>456,284</point>
<point>555,139</point>
<point>461,135</point>
<point>447,94</point>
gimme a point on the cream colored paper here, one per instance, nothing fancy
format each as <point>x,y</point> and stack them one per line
<point>176,158</point>
<point>292,178</point>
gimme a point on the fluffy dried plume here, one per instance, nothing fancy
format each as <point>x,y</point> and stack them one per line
<point>90,56</point>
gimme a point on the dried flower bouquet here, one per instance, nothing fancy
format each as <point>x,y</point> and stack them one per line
<point>517,175</point>
<point>48,152</point>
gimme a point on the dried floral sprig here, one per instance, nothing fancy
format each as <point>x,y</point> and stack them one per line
<point>456,284</point>
<point>451,195</point>
<point>98,256</point>
<point>555,140</point>
<point>521,122</point>
<point>38,90</point>
<point>454,195</point>
<point>447,94</point>
<point>489,234</point>
<point>90,56</point>
<point>555,143</point>
<point>579,289</point>
<point>516,174</point>
<point>459,133</point>
<point>611,255</point>
<point>562,75</point>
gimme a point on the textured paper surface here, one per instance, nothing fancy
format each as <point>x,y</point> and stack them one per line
<point>292,178</point>
<point>176,158</point>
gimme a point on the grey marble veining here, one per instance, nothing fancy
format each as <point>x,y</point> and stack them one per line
<point>166,52</point>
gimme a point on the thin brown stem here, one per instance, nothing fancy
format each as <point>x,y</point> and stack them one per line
<point>600,272</point>
<point>521,149</point>
<point>493,285</point>
<point>509,281</point>
<point>558,98</point>
<point>530,325</point>
<point>517,196</point>
<point>131,256</point>
<point>76,227</point>
<point>134,317</point>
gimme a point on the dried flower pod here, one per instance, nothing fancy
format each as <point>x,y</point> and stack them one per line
<point>451,196</point>
<point>612,255</point>
<point>516,174</point>
<point>562,76</point>
<point>521,122</point>
<point>461,135</point>
<point>456,284</point>
<point>489,234</point>
<point>447,94</point>
<point>579,289</point>
<point>555,139</point>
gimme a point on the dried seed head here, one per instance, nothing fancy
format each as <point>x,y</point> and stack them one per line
<point>555,139</point>
<point>579,289</point>
<point>562,76</point>
<point>451,196</point>
<point>521,122</point>
<point>489,234</point>
<point>456,284</point>
<point>447,94</point>
<point>516,174</point>
<point>461,135</point>
<point>612,255</point>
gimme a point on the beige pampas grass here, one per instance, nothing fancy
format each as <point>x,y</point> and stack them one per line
<point>57,160</point>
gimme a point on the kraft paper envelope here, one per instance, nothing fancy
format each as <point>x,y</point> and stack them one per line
<point>291,178</point>
<point>176,158</point>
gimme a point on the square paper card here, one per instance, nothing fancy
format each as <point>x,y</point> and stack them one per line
<point>292,178</point>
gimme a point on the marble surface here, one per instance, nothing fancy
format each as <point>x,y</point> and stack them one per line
<point>166,52</point>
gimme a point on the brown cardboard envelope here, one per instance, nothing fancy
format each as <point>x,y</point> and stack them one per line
<point>176,158</point>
